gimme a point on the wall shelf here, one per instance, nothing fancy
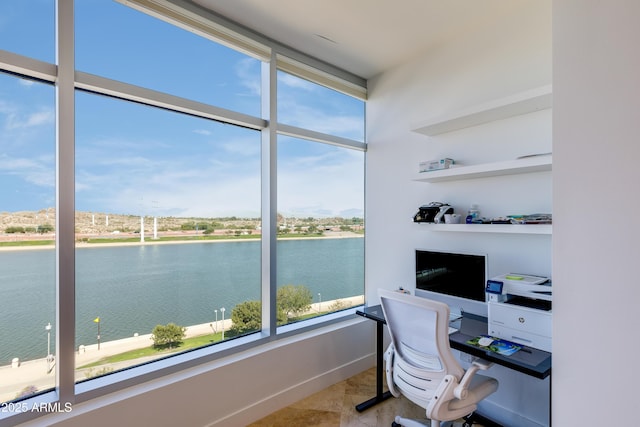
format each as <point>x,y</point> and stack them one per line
<point>521,103</point>
<point>510,167</point>
<point>491,228</point>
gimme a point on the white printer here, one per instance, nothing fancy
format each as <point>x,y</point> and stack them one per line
<point>519,309</point>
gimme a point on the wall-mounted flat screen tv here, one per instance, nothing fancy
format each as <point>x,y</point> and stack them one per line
<point>457,274</point>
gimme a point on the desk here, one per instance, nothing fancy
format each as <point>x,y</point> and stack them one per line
<point>527,360</point>
<point>375,313</point>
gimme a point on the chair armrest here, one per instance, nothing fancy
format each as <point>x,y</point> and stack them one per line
<point>441,397</point>
<point>462,389</point>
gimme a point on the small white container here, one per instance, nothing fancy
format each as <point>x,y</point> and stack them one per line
<point>452,218</point>
<point>434,165</point>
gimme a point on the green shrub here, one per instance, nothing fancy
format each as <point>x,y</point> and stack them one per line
<point>168,335</point>
<point>294,300</point>
<point>91,373</point>
<point>14,229</point>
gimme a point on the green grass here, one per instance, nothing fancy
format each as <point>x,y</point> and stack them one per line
<point>187,344</point>
<point>151,351</point>
<point>29,243</point>
<point>194,238</point>
<point>173,238</point>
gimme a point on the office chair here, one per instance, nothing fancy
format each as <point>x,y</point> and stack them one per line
<point>421,366</point>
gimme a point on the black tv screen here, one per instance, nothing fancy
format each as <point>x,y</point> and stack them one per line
<point>455,274</point>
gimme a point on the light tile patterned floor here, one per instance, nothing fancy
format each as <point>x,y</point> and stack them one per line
<point>335,407</point>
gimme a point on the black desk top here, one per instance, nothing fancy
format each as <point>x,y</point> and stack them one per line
<point>527,360</point>
<point>373,312</point>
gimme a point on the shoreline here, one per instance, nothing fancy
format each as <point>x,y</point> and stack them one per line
<point>151,242</point>
<point>120,345</point>
<point>34,372</point>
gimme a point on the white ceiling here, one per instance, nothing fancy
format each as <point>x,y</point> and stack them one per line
<point>364,37</point>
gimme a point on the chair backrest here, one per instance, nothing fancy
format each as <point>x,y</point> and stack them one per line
<point>419,330</point>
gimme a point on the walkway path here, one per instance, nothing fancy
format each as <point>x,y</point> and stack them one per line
<point>35,373</point>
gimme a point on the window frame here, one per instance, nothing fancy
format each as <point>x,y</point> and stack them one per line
<point>67,81</point>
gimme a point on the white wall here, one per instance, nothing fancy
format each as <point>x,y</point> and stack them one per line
<point>477,68</point>
<point>596,118</point>
<point>510,56</point>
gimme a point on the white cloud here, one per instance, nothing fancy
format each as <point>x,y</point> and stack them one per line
<point>244,147</point>
<point>15,121</point>
<point>27,159</point>
<point>176,193</point>
<point>26,82</point>
<point>245,72</point>
<point>296,82</point>
<point>326,185</point>
<point>35,170</point>
<point>321,119</point>
<point>125,176</point>
<point>221,183</point>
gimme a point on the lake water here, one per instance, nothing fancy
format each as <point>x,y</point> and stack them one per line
<point>134,288</point>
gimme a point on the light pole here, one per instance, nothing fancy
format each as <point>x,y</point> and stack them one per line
<point>48,329</point>
<point>97,320</point>
<point>319,302</point>
<point>216,330</point>
<point>222,311</point>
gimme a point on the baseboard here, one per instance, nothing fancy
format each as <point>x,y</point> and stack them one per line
<point>284,398</point>
<point>505,417</point>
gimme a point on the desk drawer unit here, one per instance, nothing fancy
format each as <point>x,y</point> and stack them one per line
<point>522,325</point>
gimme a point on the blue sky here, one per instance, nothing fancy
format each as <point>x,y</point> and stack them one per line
<point>135,159</point>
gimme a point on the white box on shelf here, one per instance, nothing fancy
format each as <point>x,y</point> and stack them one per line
<point>434,165</point>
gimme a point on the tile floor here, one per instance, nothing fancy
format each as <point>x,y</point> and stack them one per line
<point>335,407</point>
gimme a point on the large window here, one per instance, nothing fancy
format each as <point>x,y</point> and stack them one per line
<point>115,41</point>
<point>304,104</point>
<point>27,28</point>
<point>158,244</point>
<point>320,227</point>
<point>27,219</point>
<point>167,220</point>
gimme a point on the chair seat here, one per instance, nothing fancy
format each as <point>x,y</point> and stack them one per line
<point>420,364</point>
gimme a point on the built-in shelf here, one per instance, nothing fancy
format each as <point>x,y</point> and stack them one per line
<point>510,167</point>
<point>491,228</point>
<point>521,103</point>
